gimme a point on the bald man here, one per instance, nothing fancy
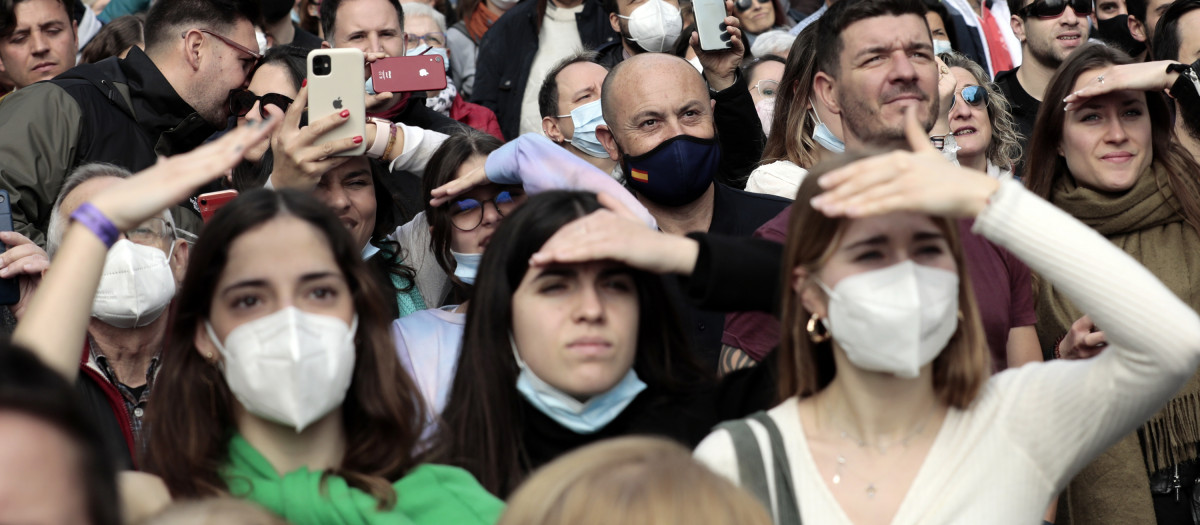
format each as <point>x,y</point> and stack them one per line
<point>661,128</point>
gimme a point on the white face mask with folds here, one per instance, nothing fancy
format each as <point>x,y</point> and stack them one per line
<point>136,287</point>
<point>291,367</point>
<point>655,25</point>
<point>895,319</point>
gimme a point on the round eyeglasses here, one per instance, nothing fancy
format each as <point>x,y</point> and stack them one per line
<point>766,88</point>
<point>467,214</point>
<point>974,96</point>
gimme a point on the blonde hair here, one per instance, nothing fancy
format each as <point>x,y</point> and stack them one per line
<point>806,368</point>
<point>631,480</point>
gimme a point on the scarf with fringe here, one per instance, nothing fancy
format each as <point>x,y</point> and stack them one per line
<point>1146,223</point>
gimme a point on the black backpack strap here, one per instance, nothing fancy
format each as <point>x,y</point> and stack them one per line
<point>788,512</point>
<point>752,473</point>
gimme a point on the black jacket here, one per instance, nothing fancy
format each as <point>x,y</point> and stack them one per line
<point>1024,109</point>
<point>123,112</point>
<point>506,54</point>
<point>683,418</point>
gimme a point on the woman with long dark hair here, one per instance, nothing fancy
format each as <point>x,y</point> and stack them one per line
<point>279,382</point>
<point>1113,162</point>
<point>557,357</point>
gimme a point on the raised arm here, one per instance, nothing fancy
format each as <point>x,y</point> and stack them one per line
<point>538,165</point>
<point>56,320</point>
<point>1061,413</point>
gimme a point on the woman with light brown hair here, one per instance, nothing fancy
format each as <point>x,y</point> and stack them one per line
<point>632,481</point>
<point>888,413</point>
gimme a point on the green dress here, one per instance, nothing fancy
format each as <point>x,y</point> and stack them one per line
<point>429,494</point>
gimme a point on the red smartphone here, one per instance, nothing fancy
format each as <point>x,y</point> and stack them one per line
<point>211,202</point>
<point>404,74</point>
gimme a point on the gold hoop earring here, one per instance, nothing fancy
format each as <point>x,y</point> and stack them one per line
<point>815,335</point>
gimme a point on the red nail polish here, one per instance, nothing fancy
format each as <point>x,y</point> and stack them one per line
<point>345,113</point>
<point>358,140</point>
<point>304,82</point>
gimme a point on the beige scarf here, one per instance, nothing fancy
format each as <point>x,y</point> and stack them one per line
<point>1146,223</point>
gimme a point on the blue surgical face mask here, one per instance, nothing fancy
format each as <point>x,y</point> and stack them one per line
<point>467,265</point>
<point>826,138</point>
<point>676,172</point>
<point>586,118</point>
<point>580,417</point>
<point>430,51</point>
<point>942,46</point>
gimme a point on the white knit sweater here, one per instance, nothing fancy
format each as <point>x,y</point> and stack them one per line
<point>1032,428</point>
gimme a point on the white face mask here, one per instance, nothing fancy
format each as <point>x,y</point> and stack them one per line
<point>896,319</point>
<point>655,25</point>
<point>504,5</point>
<point>136,287</point>
<point>290,367</point>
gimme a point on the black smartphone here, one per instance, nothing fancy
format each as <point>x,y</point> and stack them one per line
<point>10,291</point>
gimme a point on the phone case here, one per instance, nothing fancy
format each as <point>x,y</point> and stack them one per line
<point>10,290</point>
<point>211,202</point>
<point>404,74</point>
<point>710,14</point>
<point>341,89</point>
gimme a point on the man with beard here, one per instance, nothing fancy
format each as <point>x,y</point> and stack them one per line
<point>1178,39</point>
<point>650,26</point>
<point>880,63</point>
<point>165,100</point>
<point>1048,33</point>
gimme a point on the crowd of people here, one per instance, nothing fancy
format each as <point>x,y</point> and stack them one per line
<point>873,261</point>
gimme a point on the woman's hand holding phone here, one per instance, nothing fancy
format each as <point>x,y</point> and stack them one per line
<point>300,157</point>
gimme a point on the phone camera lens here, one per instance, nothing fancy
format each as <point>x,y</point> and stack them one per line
<point>322,65</point>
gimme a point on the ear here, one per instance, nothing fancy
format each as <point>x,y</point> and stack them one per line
<point>605,136</point>
<point>204,345</point>
<point>551,131</point>
<point>1018,27</point>
<point>615,22</point>
<point>825,88</point>
<point>179,260</point>
<point>2,70</point>
<point>1137,29</point>
<point>75,32</point>
<point>326,45</point>
<point>192,44</point>
<point>810,298</point>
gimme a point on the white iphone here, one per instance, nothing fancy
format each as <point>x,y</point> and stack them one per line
<point>335,83</point>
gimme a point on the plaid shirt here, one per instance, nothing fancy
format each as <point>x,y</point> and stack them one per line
<point>135,405</point>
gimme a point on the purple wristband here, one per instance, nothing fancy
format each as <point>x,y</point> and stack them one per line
<point>95,221</point>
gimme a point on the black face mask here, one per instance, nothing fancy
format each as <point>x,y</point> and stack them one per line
<point>1115,31</point>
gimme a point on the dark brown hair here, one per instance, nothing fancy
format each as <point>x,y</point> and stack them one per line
<point>1045,167</point>
<point>443,168</point>
<point>114,38</point>
<point>805,367</point>
<point>191,420</point>
<point>483,428</point>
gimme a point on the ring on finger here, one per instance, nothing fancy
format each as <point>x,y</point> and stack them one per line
<point>1100,79</point>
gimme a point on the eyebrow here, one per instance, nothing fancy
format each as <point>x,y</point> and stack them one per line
<point>882,239</point>
<point>556,271</point>
<point>258,283</point>
<point>1132,101</point>
<point>874,50</point>
<point>583,91</point>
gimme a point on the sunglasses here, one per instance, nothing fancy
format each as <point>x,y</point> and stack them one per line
<point>742,5</point>
<point>1055,8</point>
<point>974,96</point>
<point>241,100</point>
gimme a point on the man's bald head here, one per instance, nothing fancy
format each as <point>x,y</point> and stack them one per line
<point>651,98</point>
<point>652,70</point>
